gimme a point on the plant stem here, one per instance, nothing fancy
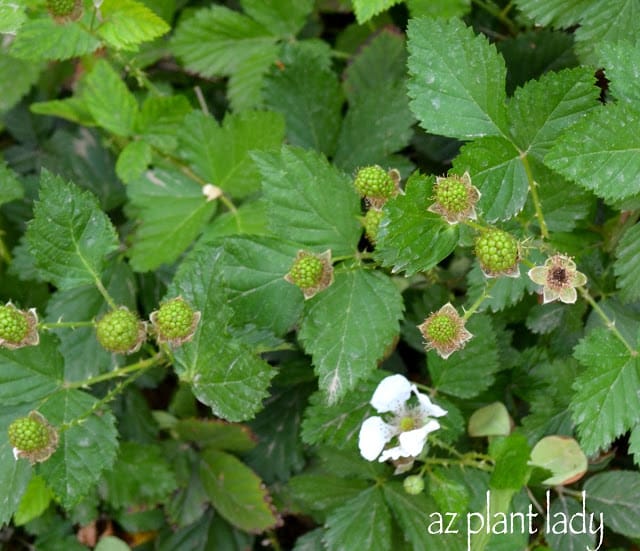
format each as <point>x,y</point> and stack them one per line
<point>609,323</point>
<point>500,15</point>
<point>120,372</point>
<point>71,324</point>
<point>485,295</point>
<point>534,195</point>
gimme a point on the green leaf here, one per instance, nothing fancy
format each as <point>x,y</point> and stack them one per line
<point>620,62</point>
<point>254,270</point>
<point>224,373</point>
<point>215,434</point>
<point>324,493</point>
<point>306,91</point>
<point>363,522</point>
<point>543,109</point>
<point>606,402</point>
<point>343,354</point>
<point>281,17</point>
<point>497,171</point>
<point>133,161</point>
<point>616,496</point>
<point>111,543</point>
<point>438,8</point>
<point>10,186</point>
<point>173,212</point>
<point>109,101</point>
<point>627,264</point>
<point>550,12</point>
<point>249,219</point>
<point>16,78</point>
<point>511,470</point>
<point>457,80</point>
<point>34,502</point>
<point>246,83</point>
<point>11,16</point>
<point>236,492</point>
<point>160,120</point>
<point>84,450</point>
<point>309,200</point>
<point>42,38</point>
<point>140,476</point>
<point>411,239</point>
<point>366,9</point>
<point>505,292</point>
<point>69,235</point>
<point>73,109</point>
<point>600,153</point>
<point>220,154</point>
<point>127,23</point>
<point>471,370</point>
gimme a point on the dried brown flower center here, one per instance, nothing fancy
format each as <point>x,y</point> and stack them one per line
<point>558,276</point>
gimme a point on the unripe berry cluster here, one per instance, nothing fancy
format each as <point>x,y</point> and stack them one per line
<point>120,331</point>
<point>175,321</point>
<point>64,10</point>
<point>32,437</point>
<point>444,331</point>
<point>18,328</point>
<point>498,253</point>
<point>455,198</point>
<point>311,272</point>
<point>371,223</point>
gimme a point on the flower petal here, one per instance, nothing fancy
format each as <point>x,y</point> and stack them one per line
<point>428,408</point>
<point>373,437</point>
<point>568,295</point>
<point>412,442</point>
<point>579,279</point>
<point>391,453</point>
<point>391,394</point>
<point>549,295</point>
<point>538,275</point>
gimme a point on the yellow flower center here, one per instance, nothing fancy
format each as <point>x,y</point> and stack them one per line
<point>407,423</point>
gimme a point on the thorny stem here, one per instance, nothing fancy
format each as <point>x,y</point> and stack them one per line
<point>533,189</point>
<point>472,459</point>
<point>609,323</point>
<point>71,324</point>
<point>105,294</point>
<point>485,295</point>
<point>120,372</point>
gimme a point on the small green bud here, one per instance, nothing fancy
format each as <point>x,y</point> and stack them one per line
<point>373,182</point>
<point>455,198</point>
<point>175,321</point>
<point>120,331</point>
<point>413,484</point>
<point>498,253</point>
<point>311,272</point>
<point>18,328</point>
<point>371,223</point>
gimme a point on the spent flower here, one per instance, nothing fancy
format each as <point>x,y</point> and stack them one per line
<point>33,438</point>
<point>311,272</point>
<point>455,198</point>
<point>18,328</point>
<point>400,432</point>
<point>444,331</point>
<point>175,322</point>
<point>559,279</point>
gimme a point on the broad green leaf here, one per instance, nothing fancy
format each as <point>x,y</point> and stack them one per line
<point>236,492</point>
<point>220,154</point>
<point>84,450</point>
<point>438,8</point>
<point>160,120</point>
<point>306,91</point>
<point>173,211</point>
<point>505,291</point>
<point>323,493</point>
<point>212,433</point>
<point>457,80</point>
<point>216,41</point>
<point>224,372</point>
<point>127,23</point>
<point>249,219</point>
<point>621,65</point>
<point>254,270</point>
<point>627,264</point>
<point>366,9</point>
<point>343,354</point>
<point>10,186</point>
<point>600,153</point>
<point>109,101</point>
<point>73,109</point>
<point>69,237</point>
<point>34,502</point>
<point>281,17</point>
<point>634,444</point>
<point>309,200</point>
<point>561,456</point>
<point>246,83</point>
<point>497,170</point>
<point>616,496</point>
<point>471,370</point>
<point>16,78</point>
<point>11,15</point>
<point>42,38</point>
<point>133,161</point>
<point>606,401</point>
<point>411,239</point>
<point>140,476</point>
<point>363,522</point>
<point>111,543</point>
<point>551,12</point>
<point>543,109</point>
<point>566,507</point>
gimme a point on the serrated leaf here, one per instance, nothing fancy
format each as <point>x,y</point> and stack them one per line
<point>84,450</point>
<point>620,62</point>
<point>363,522</point>
<point>42,38</point>
<point>606,401</point>
<point>457,80</point>
<point>323,493</point>
<point>34,502</point>
<point>282,17</point>
<point>627,264</point>
<point>543,109</point>
<point>254,270</point>
<point>616,496</point>
<point>16,78</point>
<point>246,83</point>
<point>634,444</point>
<point>306,91</point>
<point>411,239</point>
<point>10,186</point>
<point>212,433</point>
<point>73,109</point>
<point>109,101</point>
<point>505,291</point>
<point>560,14</point>
<point>69,236</point>
<point>438,8</point>
<point>497,171</point>
<point>236,492</point>
<point>249,219</point>
<point>12,15</point>
<point>160,120</point>
<point>343,354</point>
<point>511,456</point>
<point>310,200</point>
<point>127,23</point>
<point>366,9</point>
<point>471,370</point>
<point>220,154</point>
<point>224,373</point>
<point>600,153</point>
<point>173,211</point>
<point>140,476</point>
<point>133,161</point>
